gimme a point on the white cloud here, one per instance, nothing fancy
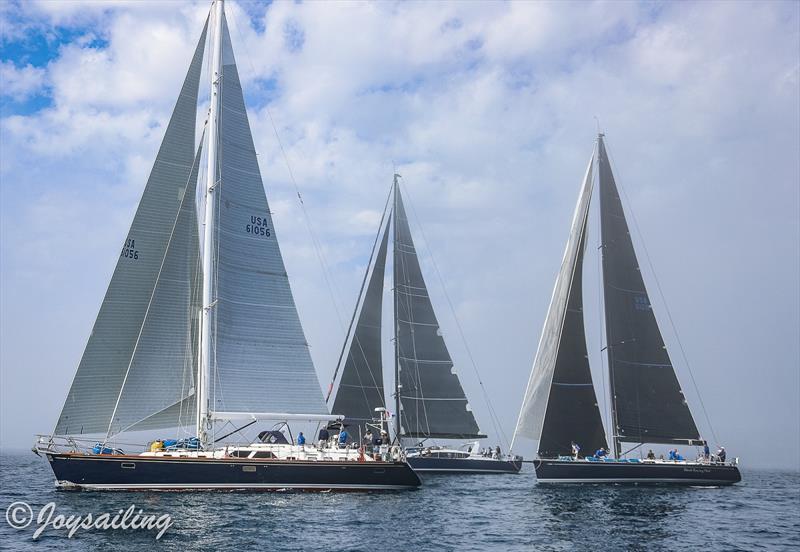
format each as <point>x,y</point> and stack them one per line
<point>19,83</point>
<point>487,109</point>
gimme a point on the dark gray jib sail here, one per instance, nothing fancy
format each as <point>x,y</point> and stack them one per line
<point>560,405</point>
<point>647,402</point>
<point>360,389</point>
<point>432,400</point>
<point>147,290</point>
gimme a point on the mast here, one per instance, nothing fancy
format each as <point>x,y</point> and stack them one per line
<point>609,344</point>
<point>204,366</point>
<point>397,385</point>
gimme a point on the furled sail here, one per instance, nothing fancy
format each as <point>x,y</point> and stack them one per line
<point>261,362</point>
<point>431,397</point>
<point>648,403</point>
<point>360,389</point>
<point>98,385</point>
<point>560,405</point>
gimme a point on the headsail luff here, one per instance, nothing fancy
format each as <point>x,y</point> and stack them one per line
<point>648,405</point>
<point>560,405</point>
<point>431,397</point>
<point>98,382</point>
<point>261,358</point>
<point>360,390</point>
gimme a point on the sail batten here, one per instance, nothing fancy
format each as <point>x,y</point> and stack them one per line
<point>647,401</point>
<point>95,396</point>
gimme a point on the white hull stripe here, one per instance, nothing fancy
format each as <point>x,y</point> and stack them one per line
<point>212,486</point>
<point>698,482</point>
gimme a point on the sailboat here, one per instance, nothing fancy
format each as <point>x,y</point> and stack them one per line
<point>429,401</point>
<point>203,339</point>
<point>560,408</point>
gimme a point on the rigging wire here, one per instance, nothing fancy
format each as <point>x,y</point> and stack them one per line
<point>492,413</point>
<point>663,300</point>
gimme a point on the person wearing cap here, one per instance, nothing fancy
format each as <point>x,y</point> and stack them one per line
<point>721,454</point>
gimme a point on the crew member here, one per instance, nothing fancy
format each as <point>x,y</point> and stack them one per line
<point>600,453</point>
<point>323,437</point>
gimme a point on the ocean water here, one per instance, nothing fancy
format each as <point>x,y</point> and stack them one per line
<point>489,512</point>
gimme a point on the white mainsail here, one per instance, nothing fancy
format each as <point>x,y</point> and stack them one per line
<point>261,361</point>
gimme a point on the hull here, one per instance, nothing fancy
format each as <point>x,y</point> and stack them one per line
<point>125,472</point>
<point>463,465</point>
<point>635,473</point>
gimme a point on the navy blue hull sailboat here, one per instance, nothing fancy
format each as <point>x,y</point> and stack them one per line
<point>193,339</point>
<point>429,401</point>
<point>560,409</point>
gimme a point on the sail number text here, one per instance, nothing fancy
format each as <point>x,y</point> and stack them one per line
<point>130,251</point>
<point>258,226</point>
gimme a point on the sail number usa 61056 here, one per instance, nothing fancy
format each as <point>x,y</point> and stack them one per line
<point>258,226</point>
<point>130,251</point>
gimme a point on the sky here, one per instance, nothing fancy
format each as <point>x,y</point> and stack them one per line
<point>489,111</point>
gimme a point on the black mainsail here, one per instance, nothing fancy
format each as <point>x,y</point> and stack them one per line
<point>648,405</point>
<point>431,400</point>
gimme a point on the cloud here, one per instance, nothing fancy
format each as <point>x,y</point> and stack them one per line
<point>488,111</point>
<point>20,83</point>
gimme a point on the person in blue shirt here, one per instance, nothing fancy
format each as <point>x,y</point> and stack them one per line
<point>600,453</point>
<point>672,454</point>
<point>301,439</point>
<point>343,438</point>
<point>706,452</point>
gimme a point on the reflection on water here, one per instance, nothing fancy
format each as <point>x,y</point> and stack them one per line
<point>502,512</point>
